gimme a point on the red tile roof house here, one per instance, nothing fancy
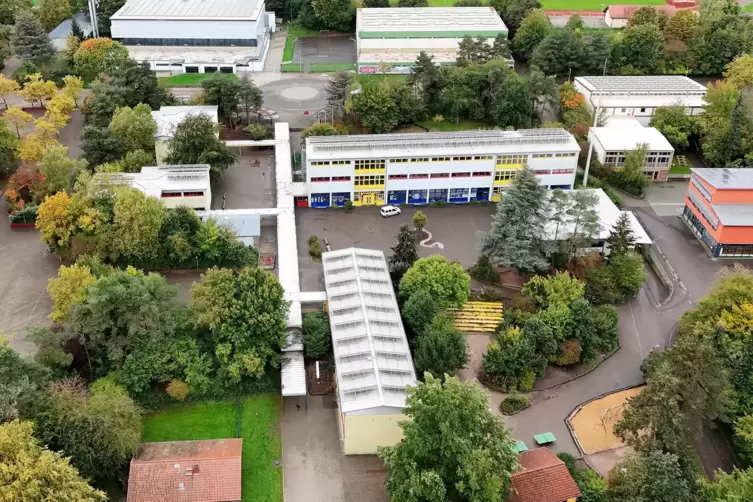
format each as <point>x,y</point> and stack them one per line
<point>186,471</point>
<point>542,478</point>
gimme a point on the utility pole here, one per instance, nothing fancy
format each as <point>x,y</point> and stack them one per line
<point>93,4</point>
<point>590,148</point>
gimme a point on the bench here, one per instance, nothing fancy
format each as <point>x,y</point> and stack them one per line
<point>544,438</point>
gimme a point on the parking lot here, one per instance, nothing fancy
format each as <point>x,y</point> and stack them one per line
<point>455,228</point>
<point>325,49</point>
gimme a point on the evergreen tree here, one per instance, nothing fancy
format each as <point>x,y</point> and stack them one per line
<point>515,237</point>
<point>376,3</point>
<point>621,239</point>
<point>338,90</point>
<point>513,104</point>
<point>405,253</point>
<point>30,39</point>
<point>76,29</point>
<point>583,221</point>
<point>426,80</point>
<point>561,53</point>
<point>441,348</point>
<point>317,339</point>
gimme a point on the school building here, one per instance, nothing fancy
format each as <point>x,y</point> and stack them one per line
<point>451,167</point>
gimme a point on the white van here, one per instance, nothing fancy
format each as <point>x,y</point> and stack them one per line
<point>388,211</point>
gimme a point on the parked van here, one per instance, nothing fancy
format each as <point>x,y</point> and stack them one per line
<point>388,211</point>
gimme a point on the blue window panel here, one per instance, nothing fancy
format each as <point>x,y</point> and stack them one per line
<point>339,198</point>
<point>397,196</point>
<point>482,194</point>
<point>561,187</point>
<point>459,195</point>
<point>438,194</point>
<point>418,196</point>
<point>319,200</point>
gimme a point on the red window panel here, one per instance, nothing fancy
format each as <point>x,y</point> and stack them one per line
<point>562,171</point>
<point>483,173</point>
<point>340,178</point>
<point>325,178</point>
<point>419,176</point>
<point>171,194</point>
<point>440,175</point>
<point>398,176</point>
<point>461,175</point>
<point>193,194</point>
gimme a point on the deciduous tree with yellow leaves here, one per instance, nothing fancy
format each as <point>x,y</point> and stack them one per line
<point>8,86</point>
<point>17,118</point>
<point>33,146</point>
<point>68,289</point>
<point>72,86</point>
<point>37,89</point>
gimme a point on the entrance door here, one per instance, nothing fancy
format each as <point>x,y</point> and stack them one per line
<point>368,199</point>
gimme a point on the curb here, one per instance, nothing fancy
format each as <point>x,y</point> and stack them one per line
<point>606,356</point>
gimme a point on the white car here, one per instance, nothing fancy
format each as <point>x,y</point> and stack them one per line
<point>388,211</point>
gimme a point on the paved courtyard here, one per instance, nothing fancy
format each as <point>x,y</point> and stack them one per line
<point>250,182</point>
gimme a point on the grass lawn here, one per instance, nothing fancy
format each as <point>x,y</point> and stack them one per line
<point>370,77</point>
<point>678,169</point>
<point>262,481</point>
<point>330,67</point>
<point>592,4</point>
<point>293,33</point>
<point>291,68</point>
<point>450,125</point>
<point>188,79</point>
<point>748,8</point>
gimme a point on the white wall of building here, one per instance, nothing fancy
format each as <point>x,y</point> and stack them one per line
<point>175,28</point>
<point>410,44</point>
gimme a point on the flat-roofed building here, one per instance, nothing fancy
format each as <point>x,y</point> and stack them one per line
<point>184,185</point>
<point>719,211</point>
<point>610,145</point>
<point>372,358</point>
<point>195,36</point>
<point>639,96</point>
<point>420,168</point>
<point>395,36</point>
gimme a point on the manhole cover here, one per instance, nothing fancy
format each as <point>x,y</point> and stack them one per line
<point>299,93</point>
<point>276,462</point>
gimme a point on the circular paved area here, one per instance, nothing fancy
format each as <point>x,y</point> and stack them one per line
<point>299,93</point>
<point>296,99</point>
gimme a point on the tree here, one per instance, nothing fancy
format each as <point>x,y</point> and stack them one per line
<point>100,430</point>
<point>137,218</point>
<point>317,338</point>
<point>513,105</point>
<point>583,221</point>
<point>53,12</point>
<point>681,26</point>
<point>8,86</point>
<point>76,30</point>
<point>441,348</point>
<point>375,108</point>
<point>249,97</point>
<point>561,53</point>
<point>10,8</point>
<point>99,55</point>
<point>621,238</point>
<point>101,105</point>
<point>514,11</point>
<point>718,42</point>
<point>105,11</point>
<point>743,438</point>
<point>224,92</point>
<point>434,462</point>
<point>724,146</point>
<point>467,3</point>
<point>560,289</point>
<point>99,146</point>
<point>447,281</point>
<point>405,253</point>
<point>419,311</point>
<point>575,22</point>
<point>534,28</point>
<point>35,474</point>
<point>728,487</point>
<point>140,85</point>
<point>319,129</point>
<point>31,41</point>
<point>134,127</point>
<point>59,109</point>
<point>426,80</point>
<point>413,3</point>
<point>684,392</point>
<point>740,71</point>
<point>68,289</point>
<point>647,15</point>
<point>674,124</point>
<point>246,314</point>
<point>419,221</point>
<point>338,90</point>
<point>653,477</point>
<point>59,170</point>
<point>37,89</point>
<point>8,147</point>
<point>376,3</point>
<point>511,359</point>
<point>54,220</point>
<point>336,15</point>
<point>195,142</point>
<point>641,50</point>
<point>32,147</point>
<point>543,90</point>
<point>21,383</point>
<point>135,160</point>
<point>410,108</point>
<point>515,239</point>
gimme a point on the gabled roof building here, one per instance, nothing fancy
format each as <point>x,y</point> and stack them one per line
<point>543,478</point>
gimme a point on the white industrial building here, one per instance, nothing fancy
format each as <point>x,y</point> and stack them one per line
<point>195,36</point>
<point>372,358</point>
<point>611,143</point>
<point>184,185</point>
<point>168,118</point>
<point>395,36</point>
<point>453,167</point>
<point>639,96</point>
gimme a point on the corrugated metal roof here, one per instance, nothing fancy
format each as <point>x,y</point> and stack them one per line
<point>293,374</point>
<point>729,179</point>
<point>641,83</point>
<point>188,9</point>
<point>372,357</point>
<point>428,19</point>
<point>734,215</point>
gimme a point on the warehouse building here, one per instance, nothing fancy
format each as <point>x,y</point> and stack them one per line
<point>393,37</point>
<point>453,167</point>
<point>610,144</point>
<point>195,36</point>
<point>372,358</point>
<point>719,211</point>
<point>639,96</point>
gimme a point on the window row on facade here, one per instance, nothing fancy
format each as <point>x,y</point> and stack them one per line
<point>653,159</point>
<point>499,175</point>
<point>507,159</point>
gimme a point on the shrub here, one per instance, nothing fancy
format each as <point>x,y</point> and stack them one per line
<point>606,322</point>
<point>178,390</point>
<point>493,295</point>
<point>526,383</point>
<point>348,205</point>
<point>27,214</point>
<point>315,248</point>
<point>569,353</point>
<point>569,462</point>
<point>483,270</point>
<point>513,404</point>
<point>257,132</point>
<point>438,203</point>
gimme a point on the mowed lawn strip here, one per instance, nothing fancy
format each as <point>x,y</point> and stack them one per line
<point>262,480</point>
<point>189,79</point>
<point>208,420</point>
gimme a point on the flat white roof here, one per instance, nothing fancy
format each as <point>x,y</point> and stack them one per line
<point>293,374</point>
<point>154,180</point>
<point>608,216</point>
<point>440,143</point>
<point>428,19</point>
<point>372,357</point>
<point>727,178</point>
<point>627,138</point>
<point>168,118</point>
<point>189,9</point>
<point>645,83</point>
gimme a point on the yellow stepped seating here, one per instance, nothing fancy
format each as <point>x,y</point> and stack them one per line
<point>478,316</point>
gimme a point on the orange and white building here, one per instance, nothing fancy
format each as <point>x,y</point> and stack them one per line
<point>719,211</point>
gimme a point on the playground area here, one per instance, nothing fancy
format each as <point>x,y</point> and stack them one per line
<point>593,424</point>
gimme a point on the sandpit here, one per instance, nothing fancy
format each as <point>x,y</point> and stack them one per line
<point>594,422</point>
